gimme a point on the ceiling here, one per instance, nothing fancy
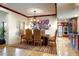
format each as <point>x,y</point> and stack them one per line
<point>28,8</point>
<point>65,6</point>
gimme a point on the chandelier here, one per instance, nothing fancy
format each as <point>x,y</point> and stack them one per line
<point>42,24</point>
<point>34,20</point>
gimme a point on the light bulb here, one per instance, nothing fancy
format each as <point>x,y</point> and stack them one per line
<point>37,20</point>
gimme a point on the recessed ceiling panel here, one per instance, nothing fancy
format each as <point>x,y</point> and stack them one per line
<point>28,8</point>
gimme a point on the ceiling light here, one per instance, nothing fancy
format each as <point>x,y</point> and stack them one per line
<point>34,17</point>
<point>76,15</point>
<point>38,11</point>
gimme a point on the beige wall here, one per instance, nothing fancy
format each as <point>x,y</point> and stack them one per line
<point>66,10</point>
<point>53,22</point>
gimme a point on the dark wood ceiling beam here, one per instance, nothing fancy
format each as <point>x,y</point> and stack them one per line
<point>56,8</point>
<point>43,15</point>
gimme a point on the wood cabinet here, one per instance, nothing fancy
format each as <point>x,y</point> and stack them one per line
<point>73,33</point>
<point>78,43</point>
<point>75,24</point>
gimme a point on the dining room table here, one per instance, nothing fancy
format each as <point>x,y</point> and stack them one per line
<point>45,40</point>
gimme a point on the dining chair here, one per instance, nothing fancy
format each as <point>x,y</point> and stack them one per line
<point>22,36</point>
<point>37,37</point>
<point>52,43</point>
<point>29,36</point>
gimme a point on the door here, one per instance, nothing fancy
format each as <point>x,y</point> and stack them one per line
<point>2,33</point>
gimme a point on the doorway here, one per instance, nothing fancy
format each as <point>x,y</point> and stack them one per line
<point>2,33</point>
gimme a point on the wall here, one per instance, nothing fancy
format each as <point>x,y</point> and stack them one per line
<point>66,10</point>
<point>2,15</point>
<point>53,28</point>
<point>53,22</point>
<point>13,23</point>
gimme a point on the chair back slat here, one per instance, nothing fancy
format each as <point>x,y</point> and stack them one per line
<point>37,34</point>
<point>28,34</point>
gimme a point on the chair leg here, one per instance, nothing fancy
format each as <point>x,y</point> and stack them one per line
<point>34,43</point>
<point>40,44</point>
<point>26,42</point>
<point>21,41</point>
<point>51,50</point>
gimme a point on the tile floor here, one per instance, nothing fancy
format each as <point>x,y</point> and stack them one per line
<point>64,48</point>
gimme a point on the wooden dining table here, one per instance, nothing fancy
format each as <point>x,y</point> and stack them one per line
<point>45,40</point>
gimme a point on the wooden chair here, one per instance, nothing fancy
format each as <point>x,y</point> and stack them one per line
<point>22,36</point>
<point>29,36</point>
<point>37,37</point>
<point>52,43</point>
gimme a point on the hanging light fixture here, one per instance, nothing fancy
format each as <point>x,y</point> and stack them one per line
<point>34,17</point>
